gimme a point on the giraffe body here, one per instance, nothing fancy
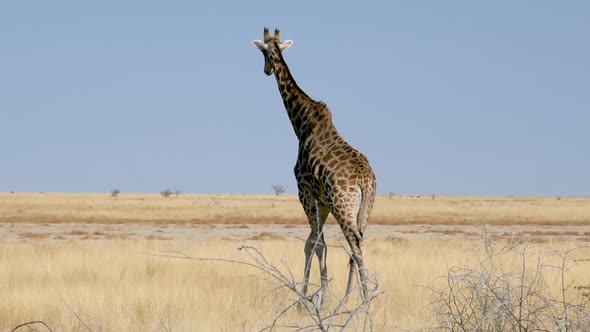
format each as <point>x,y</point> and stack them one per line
<point>332,177</point>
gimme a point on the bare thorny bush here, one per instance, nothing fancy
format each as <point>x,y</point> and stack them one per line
<point>489,296</point>
<point>331,313</point>
<point>328,314</point>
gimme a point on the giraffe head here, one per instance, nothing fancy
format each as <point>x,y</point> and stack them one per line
<point>269,45</point>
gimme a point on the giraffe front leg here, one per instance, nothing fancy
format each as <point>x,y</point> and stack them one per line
<point>322,253</point>
<point>316,244</point>
<point>308,249</point>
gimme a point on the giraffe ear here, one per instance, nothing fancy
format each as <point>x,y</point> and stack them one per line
<point>286,44</point>
<point>260,45</point>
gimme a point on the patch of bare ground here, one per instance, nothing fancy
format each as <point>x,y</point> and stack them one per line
<point>239,226</point>
<point>467,221</point>
<point>394,239</point>
<point>248,220</point>
<point>157,237</point>
<point>122,236</point>
<point>410,231</point>
<point>190,232</point>
<point>31,235</point>
<point>266,236</point>
<point>453,230</point>
<point>550,233</point>
<point>536,240</point>
<point>450,232</point>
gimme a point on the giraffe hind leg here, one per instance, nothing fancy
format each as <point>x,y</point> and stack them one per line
<point>352,221</point>
<point>357,264</point>
<point>352,275</point>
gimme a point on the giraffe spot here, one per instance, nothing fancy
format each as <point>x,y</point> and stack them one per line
<point>333,163</point>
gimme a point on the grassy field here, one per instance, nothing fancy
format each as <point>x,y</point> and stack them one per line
<point>114,284</point>
<point>117,286</point>
<point>240,209</point>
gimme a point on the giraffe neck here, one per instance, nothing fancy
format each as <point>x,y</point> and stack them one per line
<point>305,113</point>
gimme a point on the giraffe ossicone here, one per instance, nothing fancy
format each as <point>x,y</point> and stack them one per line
<point>332,176</point>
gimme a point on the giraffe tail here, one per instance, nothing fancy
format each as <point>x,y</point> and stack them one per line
<point>366,205</point>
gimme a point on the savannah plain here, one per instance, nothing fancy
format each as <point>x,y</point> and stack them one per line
<point>91,262</point>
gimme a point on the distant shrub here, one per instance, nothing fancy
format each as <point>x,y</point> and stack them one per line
<point>115,192</point>
<point>166,193</point>
<point>278,189</point>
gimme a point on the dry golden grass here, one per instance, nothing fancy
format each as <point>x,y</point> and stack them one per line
<point>241,209</point>
<point>115,286</point>
<point>110,283</point>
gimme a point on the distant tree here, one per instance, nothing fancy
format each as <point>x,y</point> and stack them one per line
<point>115,192</point>
<point>278,189</point>
<point>166,193</point>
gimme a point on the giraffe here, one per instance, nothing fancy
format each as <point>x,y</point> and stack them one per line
<point>332,177</point>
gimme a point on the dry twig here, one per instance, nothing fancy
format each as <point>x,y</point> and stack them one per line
<point>31,328</point>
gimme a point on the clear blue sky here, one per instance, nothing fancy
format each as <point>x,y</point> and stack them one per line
<point>444,97</point>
